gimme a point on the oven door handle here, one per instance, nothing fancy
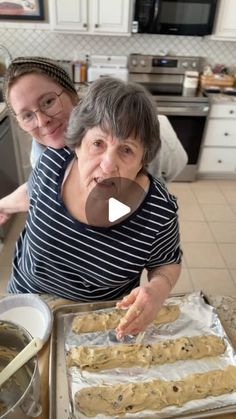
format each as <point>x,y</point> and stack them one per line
<point>183,110</point>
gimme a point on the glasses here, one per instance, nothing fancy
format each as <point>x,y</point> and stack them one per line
<point>49,104</point>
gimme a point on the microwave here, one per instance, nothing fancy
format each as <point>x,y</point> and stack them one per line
<point>174,17</point>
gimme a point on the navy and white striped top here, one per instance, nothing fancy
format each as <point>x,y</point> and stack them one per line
<point>58,254</point>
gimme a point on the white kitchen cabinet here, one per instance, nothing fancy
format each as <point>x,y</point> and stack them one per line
<point>69,16</point>
<point>225,24</point>
<point>217,161</point>
<point>91,16</point>
<point>218,154</point>
<point>220,132</point>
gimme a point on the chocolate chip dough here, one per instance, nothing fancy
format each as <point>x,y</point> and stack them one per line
<point>154,395</point>
<point>97,358</point>
<point>99,321</point>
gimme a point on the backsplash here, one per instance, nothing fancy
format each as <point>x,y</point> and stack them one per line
<point>70,46</point>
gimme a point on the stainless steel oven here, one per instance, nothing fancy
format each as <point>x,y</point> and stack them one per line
<point>163,77</point>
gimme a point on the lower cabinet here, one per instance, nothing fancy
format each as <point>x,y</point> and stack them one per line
<point>218,160</point>
<point>218,154</point>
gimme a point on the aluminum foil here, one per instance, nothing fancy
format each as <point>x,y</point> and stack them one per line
<point>196,318</point>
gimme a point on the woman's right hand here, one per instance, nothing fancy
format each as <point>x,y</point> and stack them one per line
<point>17,201</point>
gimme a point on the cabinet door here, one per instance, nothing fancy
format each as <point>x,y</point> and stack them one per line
<point>70,15</point>
<point>108,16</point>
<point>226,21</point>
<point>218,160</point>
<point>221,132</point>
<point>223,111</point>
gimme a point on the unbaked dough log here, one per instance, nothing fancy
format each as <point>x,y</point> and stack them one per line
<point>96,358</point>
<point>98,321</point>
<point>154,395</point>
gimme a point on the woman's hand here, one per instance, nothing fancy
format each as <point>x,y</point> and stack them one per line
<point>143,307</point>
<point>145,301</point>
<point>4,217</point>
<point>17,201</point>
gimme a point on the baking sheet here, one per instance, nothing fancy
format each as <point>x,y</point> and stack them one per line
<point>197,318</point>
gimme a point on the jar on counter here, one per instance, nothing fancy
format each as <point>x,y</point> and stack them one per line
<point>190,83</point>
<point>80,72</point>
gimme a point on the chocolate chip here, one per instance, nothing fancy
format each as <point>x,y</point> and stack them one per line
<point>120,397</point>
<point>175,389</point>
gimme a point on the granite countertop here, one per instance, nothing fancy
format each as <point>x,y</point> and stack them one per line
<point>220,98</point>
<point>226,309</point>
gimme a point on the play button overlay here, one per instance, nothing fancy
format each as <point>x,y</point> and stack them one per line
<point>116,209</point>
<point>113,200</point>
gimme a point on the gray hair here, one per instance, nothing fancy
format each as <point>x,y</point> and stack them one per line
<point>122,109</point>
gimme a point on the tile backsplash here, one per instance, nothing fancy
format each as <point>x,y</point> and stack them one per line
<point>70,46</point>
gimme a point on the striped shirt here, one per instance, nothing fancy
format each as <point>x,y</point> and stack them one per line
<point>60,255</point>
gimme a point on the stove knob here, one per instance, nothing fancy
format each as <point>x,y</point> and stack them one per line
<point>194,64</point>
<point>185,64</point>
<point>143,63</point>
<point>134,62</point>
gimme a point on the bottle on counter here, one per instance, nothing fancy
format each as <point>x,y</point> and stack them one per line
<point>83,72</point>
<point>76,71</point>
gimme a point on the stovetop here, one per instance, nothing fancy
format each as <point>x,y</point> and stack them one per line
<point>199,98</point>
<point>219,94</point>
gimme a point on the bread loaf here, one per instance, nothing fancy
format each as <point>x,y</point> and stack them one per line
<point>118,399</point>
<point>99,321</point>
<point>97,358</point>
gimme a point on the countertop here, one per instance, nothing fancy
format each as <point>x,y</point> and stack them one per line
<point>220,98</point>
<point>225,306</point>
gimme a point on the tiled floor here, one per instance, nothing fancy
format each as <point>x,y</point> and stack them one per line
<point>207,211</point>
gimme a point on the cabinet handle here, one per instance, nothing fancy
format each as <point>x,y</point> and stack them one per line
<point>219,161</point>
<point>96,25</point>
<point>231,112</point>
<point>226,134</point>
<point>85,25</point>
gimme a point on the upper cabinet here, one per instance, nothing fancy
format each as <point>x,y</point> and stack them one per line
<point>91,16</point>
<point>225,25</point>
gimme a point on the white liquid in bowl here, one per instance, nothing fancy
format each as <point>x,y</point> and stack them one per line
<point>30,318</point>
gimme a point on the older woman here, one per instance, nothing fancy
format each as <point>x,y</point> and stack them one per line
<point>112,135</point>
